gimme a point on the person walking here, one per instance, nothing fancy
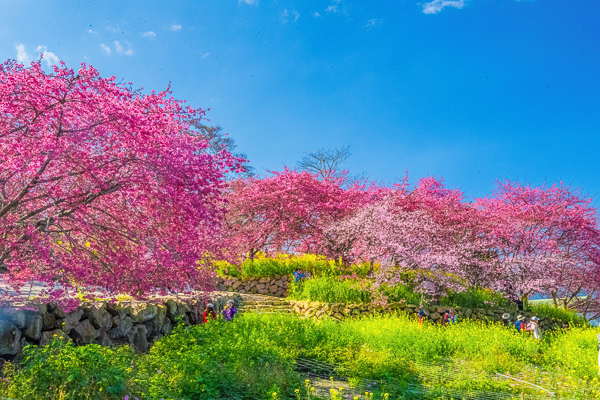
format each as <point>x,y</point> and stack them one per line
<point>229,312</point>
<point>422,314</point>
<point>209,314</point>
<point>598,337</point>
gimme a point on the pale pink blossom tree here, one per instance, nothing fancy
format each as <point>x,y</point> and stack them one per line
<point>544,239</point>
<point>428,231</point>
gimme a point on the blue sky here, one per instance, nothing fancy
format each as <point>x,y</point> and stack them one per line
<point>468,90</point>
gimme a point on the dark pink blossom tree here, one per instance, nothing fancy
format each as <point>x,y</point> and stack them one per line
<point>288,211</point>
<point>101,185</point>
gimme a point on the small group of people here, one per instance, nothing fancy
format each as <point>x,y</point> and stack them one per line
<point>521,325</point>
<point>228,312</point>
<point>299,275</point>
<point>449,317</point>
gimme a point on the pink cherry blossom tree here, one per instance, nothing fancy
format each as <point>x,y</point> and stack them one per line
<point>288,211</point>
<point>544,239</point>
<point>428,231</point>
<point>101,185</point>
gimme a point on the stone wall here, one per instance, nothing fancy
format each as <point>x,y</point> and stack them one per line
<point>134,323</point>
<point>277,286</point>
<point>340,311</point>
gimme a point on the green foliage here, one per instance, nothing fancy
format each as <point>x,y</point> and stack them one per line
<point>255,355</point>
<point>67,371</point>
<point>284,264</point>
<point>213,361</point>
<point>560,314</point>
<point>328,289</point>
<point>399,293</point>
<point>476,298</point>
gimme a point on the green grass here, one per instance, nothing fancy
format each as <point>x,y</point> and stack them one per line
<point>558,313</point>
<point>256,353</point>
<point>328,289</point>
<point>476,298</point>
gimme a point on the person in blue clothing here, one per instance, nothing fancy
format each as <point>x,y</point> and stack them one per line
<point>298,275</point>
<point>450,317</point>
<point>520,323</point>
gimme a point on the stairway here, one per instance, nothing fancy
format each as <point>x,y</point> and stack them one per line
<point>263,304</point>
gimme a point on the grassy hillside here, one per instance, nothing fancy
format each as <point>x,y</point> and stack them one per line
<point>256,355</point>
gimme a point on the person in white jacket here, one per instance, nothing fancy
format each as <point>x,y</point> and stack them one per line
<point>598,353</point>
<point>535,328</point>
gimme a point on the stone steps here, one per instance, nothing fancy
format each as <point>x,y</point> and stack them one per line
<point>274,309</point>
<point>265,311</point>
<point>267,303</point>
<point>261,304</point>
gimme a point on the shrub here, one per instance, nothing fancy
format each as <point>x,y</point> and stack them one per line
<point>66,371</point>
<point>476,298</point>
<point>560,314</point>
<point>330,290</point>
<point>285,264</point>
<point>216,360</point>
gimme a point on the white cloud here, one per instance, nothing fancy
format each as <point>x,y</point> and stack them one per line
<point>105,48</point>
<point>150,35</point>
<point>436,6</point>
<point>112,29</point>
<point>92,32</point>
<point>22,56</point>
<point>205,55</point>
<point>251,2</point>
<point>332,8</point>
<point>286,14</point>
<point>48,56</point>
<point>121,50</point>
<point>373,22</point>
<point>175,27</point>
<point>317,14</point>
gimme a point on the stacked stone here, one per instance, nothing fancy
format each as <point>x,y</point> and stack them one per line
<point>277,286</point>
<point>341,311</point>
<point>132,323</point>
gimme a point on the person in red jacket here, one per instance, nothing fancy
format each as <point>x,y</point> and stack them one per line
<point>209,313</point>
